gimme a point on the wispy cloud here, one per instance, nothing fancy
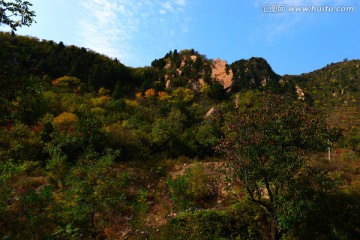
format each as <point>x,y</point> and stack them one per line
<point>126,28</point>
<point>180,2</point>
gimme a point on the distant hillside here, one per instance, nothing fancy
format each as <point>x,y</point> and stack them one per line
<point>334,85</point>
<point>334,88</point>
<point>54,60</point>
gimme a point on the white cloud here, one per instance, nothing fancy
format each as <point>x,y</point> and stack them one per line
<point>124,28</point>
<point>167,5</point>
<point>180,2</point>
<point>100,28</point>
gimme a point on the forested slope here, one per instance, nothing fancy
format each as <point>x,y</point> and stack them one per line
<point>186,148</point>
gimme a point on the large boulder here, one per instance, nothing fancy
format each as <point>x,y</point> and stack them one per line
<point>222,73</point>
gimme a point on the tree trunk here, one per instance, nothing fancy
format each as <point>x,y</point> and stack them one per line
<point>274,229</point>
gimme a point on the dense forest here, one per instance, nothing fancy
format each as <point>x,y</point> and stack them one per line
<point>186,148</point>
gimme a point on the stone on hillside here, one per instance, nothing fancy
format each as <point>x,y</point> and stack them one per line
<point>168,83</point>
<point>300,93</point>
<point>197,85</point>
<point>213,114</point>
<point>264,82</point>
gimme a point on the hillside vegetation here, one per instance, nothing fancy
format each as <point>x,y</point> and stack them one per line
<point>186,148</point>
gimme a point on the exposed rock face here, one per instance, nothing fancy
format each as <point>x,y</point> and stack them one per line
<point>191,69</point>
<point>220,74</point>
<point>168,82</point>
<point>214,114</point>
<point>196,85</point>
<point>300,93</point>
<point>263,82</point>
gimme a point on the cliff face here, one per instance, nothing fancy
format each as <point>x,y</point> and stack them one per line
<point>222,74</point>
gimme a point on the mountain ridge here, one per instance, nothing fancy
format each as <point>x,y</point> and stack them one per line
<point>336,84</point>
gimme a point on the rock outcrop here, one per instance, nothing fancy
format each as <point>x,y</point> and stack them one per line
<point>221,74</point>
<point>214,114</point>
<point>300,93</point>
<point>196,85</point>
<point>193,69</point>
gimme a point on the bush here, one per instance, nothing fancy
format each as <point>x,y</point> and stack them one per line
<point>66,120</point>
<point>20,144</point>
<point>66,81</point>
<point>209,224</point>
<point>200,225</point>
<point>191,189</point>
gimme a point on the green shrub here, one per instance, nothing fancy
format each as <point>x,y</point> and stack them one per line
<point>211,224</point>
<point>191,189</point>
<point>66,81</point>
<point>20,143</point>
<point>141,207</point>
<point>202,225</point>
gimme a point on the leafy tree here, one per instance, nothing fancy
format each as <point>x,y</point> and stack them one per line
<point>89,129</point>
<point>65,121</point>
<point>118,91</point>
<point>8,170</point>
<point>23,213</point>
<point>207,135</point>
<point>248,101</point>
<point>35,207</point>
<point>100,101</point>
<point>266,150</point>
<point>211,224</point>
<point>92,186</point>
<point>317,207</point>
<point>167,132</point>
<point>20,95</point>
<point>122,138</point>
<point>66,81</point>
<point>20,144</point>
<point>16,14</point>
<point>217,91</point>
<point>150,93</point>
<point>184,95</point>
<point>191,188</point>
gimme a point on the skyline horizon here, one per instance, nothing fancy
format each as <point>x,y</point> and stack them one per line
<point>292,39</point>
<point>203,54</point>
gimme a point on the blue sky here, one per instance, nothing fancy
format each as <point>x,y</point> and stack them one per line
<point>137,32</point>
